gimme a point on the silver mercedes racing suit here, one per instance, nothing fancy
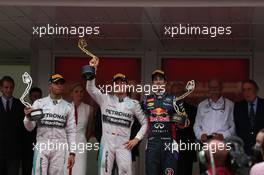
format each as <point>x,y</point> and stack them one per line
<point>55,135</point>
<point>117,118</point>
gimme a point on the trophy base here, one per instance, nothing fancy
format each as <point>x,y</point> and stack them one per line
<point>179,120</point>
<point>88,72</point>
<point>36,115</point>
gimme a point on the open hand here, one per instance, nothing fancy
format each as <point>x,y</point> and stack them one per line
<point>131,143</point>
<point>71,161</point>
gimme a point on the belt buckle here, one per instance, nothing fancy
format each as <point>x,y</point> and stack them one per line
<point>113,133</point>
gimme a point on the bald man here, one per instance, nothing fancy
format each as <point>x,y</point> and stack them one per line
<point>214,117</point>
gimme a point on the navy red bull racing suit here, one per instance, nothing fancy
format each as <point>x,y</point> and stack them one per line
<point>161,155</point>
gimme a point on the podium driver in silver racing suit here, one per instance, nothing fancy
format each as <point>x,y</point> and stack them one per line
<point>55,131</point>
<point>118,112</point>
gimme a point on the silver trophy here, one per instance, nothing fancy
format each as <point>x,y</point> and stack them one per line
<point>36,114</point>
<point>181,116</point>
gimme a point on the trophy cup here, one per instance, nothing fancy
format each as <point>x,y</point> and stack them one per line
<point>181,116</point>
<point>36,114</point>
<point>87,71</point>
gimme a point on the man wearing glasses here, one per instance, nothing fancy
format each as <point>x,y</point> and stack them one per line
<point>214,117</point>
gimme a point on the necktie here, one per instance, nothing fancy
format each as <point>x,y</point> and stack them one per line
<point>7,106</point>
<point>252,114</point>
<point>76,113</point>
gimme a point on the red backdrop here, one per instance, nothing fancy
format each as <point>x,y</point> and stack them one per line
<point>206,69</point>
<point>70,68</point>
<point>230,71</point>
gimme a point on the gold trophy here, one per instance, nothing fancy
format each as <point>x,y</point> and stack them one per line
<point>36,114</point>
<point>181,116</point>
<point>88,71</point>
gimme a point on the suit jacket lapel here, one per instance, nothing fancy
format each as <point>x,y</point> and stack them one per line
<point>246,108</point>
<point>258,111</point>
<point>13,104</point>
<point>246,112</point>
<point>1,105</point>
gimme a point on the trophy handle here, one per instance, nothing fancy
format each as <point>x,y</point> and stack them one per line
<point>190,86</point>
<point>27,80</point>
<point>82,44</point>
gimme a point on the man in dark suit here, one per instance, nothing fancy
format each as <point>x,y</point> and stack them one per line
<point>186,135</point>
<point>11,128</point>
<point>249,115</point>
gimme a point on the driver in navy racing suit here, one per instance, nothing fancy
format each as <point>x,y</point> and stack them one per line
<point>161,159</point>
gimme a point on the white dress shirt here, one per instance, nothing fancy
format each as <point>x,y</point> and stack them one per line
<point>214,117</point>
<point>4,101</point>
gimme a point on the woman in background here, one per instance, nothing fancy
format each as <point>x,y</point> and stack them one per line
<point>82,113</point>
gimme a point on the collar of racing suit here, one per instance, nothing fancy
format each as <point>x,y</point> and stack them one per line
<point>55,101</point>
<point>160,95</point>
<point>116,98</point>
